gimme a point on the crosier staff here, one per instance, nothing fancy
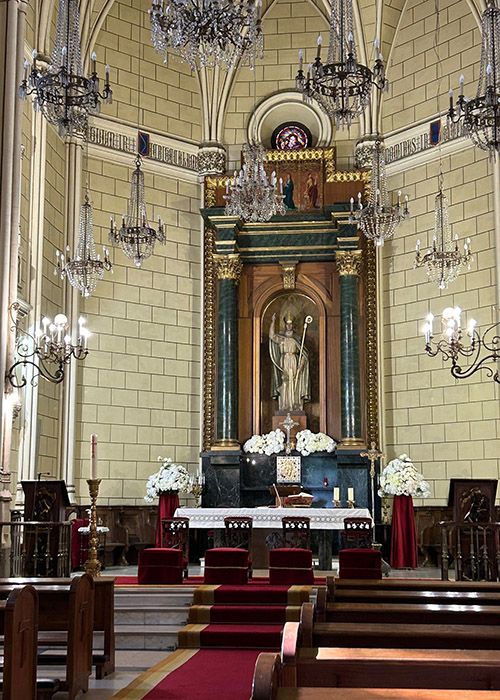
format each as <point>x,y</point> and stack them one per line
<point>307,321</point>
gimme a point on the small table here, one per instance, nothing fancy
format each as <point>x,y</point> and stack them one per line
<point>325,520</point>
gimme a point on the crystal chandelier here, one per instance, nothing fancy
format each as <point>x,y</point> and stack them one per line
<point>62,92</point>
<point>208,32</point>
<point>444,260</point>
<point>483,350</point>
<point>342,86</point>
<point>379,218</point>
<point>481,114</point>
<point>86,268</point>
<point>136,237</point>
<point>47,351</point>
<point>251,195</point>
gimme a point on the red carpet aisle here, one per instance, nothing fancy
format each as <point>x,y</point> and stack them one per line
<point>241,617</point>
<point>196,675</point>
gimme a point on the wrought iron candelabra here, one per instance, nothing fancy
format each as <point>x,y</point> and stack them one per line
<point>47,351</point>
<point>93,565</point>
<point>483,350</point>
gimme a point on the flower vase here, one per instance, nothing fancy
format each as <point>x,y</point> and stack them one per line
<point>167,505</point>
<point>404,534</point>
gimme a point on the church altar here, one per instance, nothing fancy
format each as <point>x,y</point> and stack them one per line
<point>321,518</point>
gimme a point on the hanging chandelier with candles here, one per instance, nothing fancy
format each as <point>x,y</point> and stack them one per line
<point>379,218</point>
<point>481,114</point>
<point>444,260</point>
<point>208,32</point>
<point>136,237</point>
<point>64,95</point>
<point>251,194</point>
<point>86,268</point>
<point>480,352</point>
<point>342,86</point>
<point>47,351</point>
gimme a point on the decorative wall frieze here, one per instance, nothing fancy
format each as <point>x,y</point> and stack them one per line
<point>288,270</point>
<point>228,267</point>
<point>349,262</point>
<point>350,176</point>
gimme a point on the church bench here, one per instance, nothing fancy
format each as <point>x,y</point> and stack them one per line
<point>334,583</point>
<point>67,608</point>
<point>356,595</point>
<point>267,685</point>
<point>18,626</point>
<point>396,668</point>
<point>104,616</point>
<point>414,613</point>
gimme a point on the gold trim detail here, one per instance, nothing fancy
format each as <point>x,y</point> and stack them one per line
<point>228,267</point>
<point>209,340</point>
<point>326,154</point>
<point>288,270</point>
<point>349,176</point>
<point>143,684</point>
<point>353,442</point>
<point>349,262</point>
<point>372,423</point>
<point>212,184</point>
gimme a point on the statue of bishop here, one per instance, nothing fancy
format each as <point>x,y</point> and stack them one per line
<point>290,382</point>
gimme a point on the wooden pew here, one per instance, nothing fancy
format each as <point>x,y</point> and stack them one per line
<point>66,608</point>
<point>104,615</point>
<point>334,583</point>
<point>267,686</point>
<point>396,668</point>
<point>19,626</point>
<point>413,613</point>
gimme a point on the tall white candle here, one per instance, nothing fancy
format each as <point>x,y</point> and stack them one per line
<point>350,494</point>
<point>336,493</point>
<point>93,456</point>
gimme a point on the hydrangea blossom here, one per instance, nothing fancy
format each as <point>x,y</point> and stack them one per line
<point>400,478</point>
<point>170,477</point>
<point>308,442</point>
<point>268,444</point>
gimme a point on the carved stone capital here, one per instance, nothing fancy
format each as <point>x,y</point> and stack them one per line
<point>211,160</point>
<point>228,267</point>
<point>288,270</point>
<point>349,262</point>
<point>363,152</point>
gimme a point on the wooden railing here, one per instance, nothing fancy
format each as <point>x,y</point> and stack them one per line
<point>38,548</point>
<point>474,548</point>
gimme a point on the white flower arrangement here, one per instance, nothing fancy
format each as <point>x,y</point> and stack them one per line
<point>400,478</point>
<point>308,442</point>
<point>268,444</point>
<point>169,477</point>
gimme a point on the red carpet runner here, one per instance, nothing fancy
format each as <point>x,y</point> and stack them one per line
<point>241,617</point>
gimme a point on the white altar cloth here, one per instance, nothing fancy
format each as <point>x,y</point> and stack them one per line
<point>321,518</point>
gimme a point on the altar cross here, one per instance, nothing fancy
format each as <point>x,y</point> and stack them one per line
<point>373,454</point>
<point>288,424</point>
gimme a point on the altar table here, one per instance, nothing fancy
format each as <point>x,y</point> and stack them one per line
<point>322,519</point>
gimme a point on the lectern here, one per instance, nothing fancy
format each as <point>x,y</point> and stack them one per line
<point>45,500</point>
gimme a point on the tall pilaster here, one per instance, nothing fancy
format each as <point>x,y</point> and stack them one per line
<point>349,267</point>
<point>228,274</point>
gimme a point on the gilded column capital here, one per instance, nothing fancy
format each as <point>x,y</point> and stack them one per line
<point>349,262</point>
<point>228,267</point>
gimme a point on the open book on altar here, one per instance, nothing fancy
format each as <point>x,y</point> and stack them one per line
<point>290,496</point>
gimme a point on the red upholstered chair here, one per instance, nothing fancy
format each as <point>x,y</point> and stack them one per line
<point>289,567</point>
<point>360,563</point>
<point>175,535</point>
<point>226,565</point>
<point>158,565</point>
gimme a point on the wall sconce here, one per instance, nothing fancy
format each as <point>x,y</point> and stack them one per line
<point>484,350</point>
<point>47,351</point>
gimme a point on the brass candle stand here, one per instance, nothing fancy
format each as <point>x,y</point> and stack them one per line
<point>93,565</point>
<point>197,491</point>
<point>351,504</point>
<point>336,504</point>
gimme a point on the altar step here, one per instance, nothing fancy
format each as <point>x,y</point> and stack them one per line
<point>149,618</point>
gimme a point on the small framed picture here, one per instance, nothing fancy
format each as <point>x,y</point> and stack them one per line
<point>288,469</point>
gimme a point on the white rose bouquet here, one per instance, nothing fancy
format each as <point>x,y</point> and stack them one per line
<point>308,442</point>
<point>169,477</point>
<point>268,444</point>
<point>400,478</point>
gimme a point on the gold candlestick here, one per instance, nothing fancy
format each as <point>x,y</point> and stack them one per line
<point>197,491</point>
<point>93,565</point>
<point>336,504</point>
<point>351,504</point>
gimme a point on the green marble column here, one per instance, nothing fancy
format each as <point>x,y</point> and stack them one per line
<point>228,273</point>
<point>349,265</point>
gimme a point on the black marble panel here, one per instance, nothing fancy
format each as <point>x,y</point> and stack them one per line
<point>222,480</point>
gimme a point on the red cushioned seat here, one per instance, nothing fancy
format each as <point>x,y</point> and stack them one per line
<point>160,565</point>
<point>290,566</point>
<point>226,565</point>
<point>360,563</point>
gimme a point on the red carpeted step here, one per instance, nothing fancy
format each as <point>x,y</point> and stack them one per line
<point>241,636</point>
<point>251,595</point>
<point>244,614</point>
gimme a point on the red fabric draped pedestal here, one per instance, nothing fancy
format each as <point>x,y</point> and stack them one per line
<point>404,534</point>
<point>167,505</point>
